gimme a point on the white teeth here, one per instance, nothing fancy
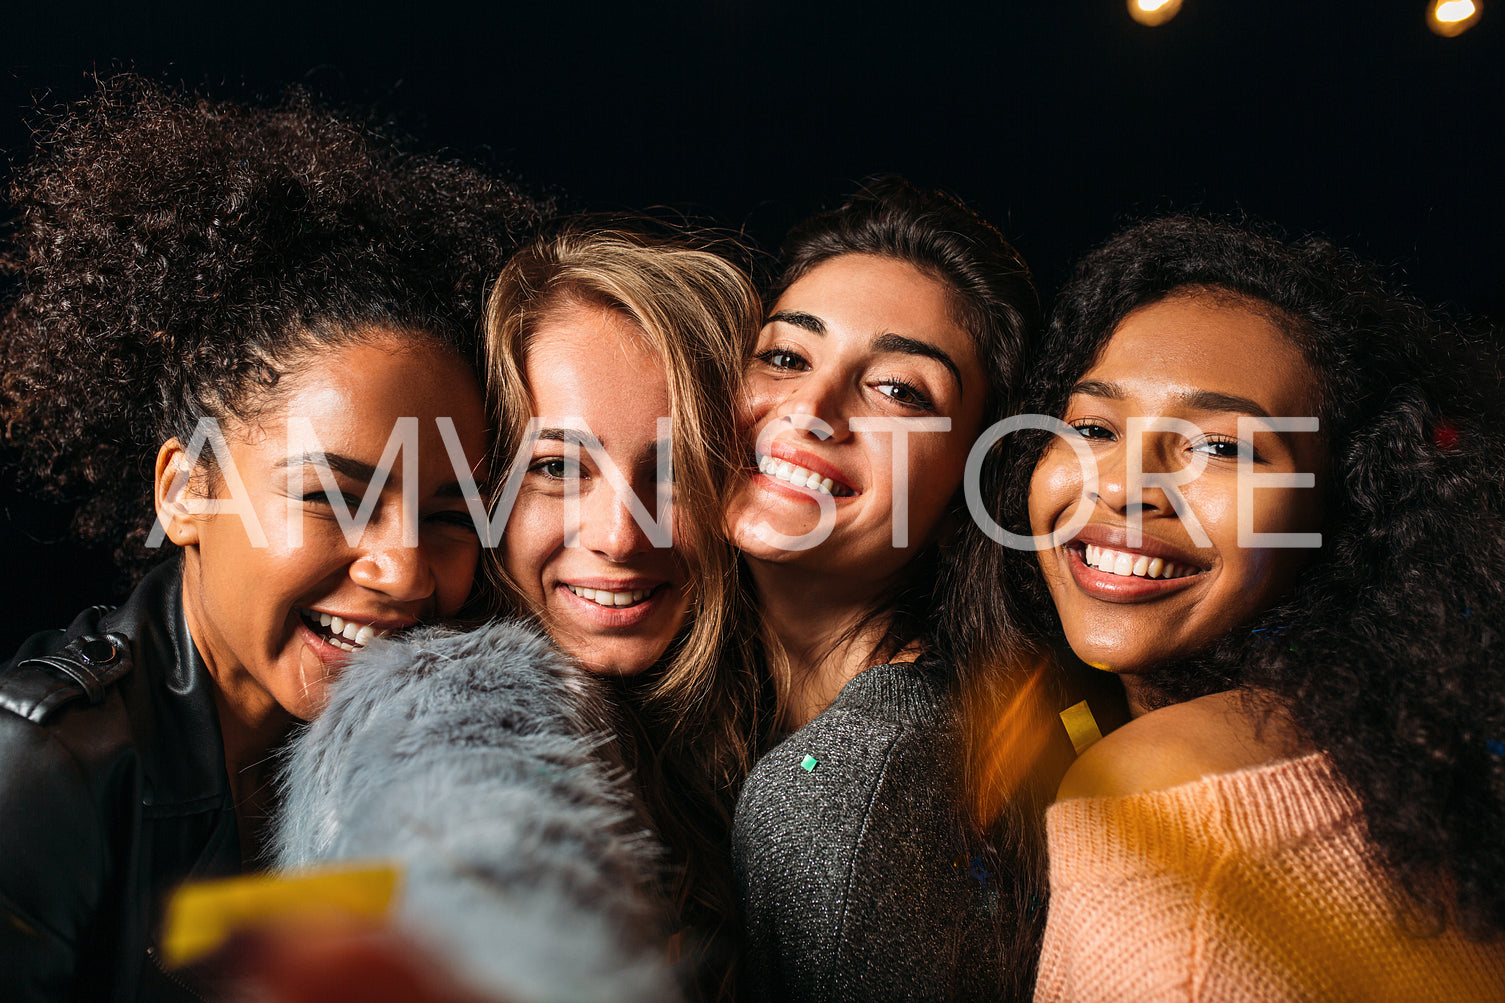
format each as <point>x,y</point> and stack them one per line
<point>347,635</point>
<point>1118,562</point>
<point>786,471</point>
<point>605,597</point>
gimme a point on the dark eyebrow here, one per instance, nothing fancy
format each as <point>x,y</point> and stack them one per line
<point>909,346</point>
<point>1195,400</point>
<point>354,469</point>
<point>363,472</point>
<point>1211,400</point>
<point>804,321</point>
<point>1099,388</point>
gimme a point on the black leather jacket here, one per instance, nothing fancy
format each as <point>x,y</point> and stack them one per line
<point>112,791</point>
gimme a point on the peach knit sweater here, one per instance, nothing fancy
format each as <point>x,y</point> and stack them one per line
<point>1257,885</point>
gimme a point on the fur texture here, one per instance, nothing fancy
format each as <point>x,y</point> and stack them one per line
<point>480,763</point>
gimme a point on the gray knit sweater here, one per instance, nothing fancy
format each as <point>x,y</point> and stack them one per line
<point>857,877</point>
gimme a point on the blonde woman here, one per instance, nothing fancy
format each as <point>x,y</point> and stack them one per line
<point>612,354</point>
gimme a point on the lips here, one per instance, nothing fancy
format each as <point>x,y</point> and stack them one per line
<point>785,465</point>
<point>613,605</point>
<point>342,632</point>
<point>1106,567</point>
<point>611,597</point>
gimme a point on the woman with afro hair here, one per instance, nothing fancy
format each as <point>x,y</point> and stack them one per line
<point>1272,506</point>
<point>250,331</point>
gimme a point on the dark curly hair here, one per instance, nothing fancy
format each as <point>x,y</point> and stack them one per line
<point>1386,652</point>
<point>173,256</point>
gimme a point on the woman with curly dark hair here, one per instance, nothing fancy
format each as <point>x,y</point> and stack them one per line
<point>1274,511</point>
<point>279,306</point>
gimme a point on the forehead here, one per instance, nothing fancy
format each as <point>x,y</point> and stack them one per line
<point>1208,341</point>
<point>873,294</point>
<point>384,376</point>
<point>589,359</point>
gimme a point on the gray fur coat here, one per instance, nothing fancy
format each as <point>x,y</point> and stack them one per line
<point>475,761</point>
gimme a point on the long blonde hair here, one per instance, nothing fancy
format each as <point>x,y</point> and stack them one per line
<point>688,722</point>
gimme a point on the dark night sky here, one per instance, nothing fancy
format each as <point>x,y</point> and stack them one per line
<point>1057,119</point>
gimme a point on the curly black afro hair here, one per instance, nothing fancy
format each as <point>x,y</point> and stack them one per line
<point>1388,651</point>
<point>173,256</point>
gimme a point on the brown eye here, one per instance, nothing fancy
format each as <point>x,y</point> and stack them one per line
<point>904,393</point>
<point>1092,430</point>
<point>783,358</point>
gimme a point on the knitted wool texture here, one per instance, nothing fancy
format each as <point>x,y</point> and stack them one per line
<point>1257,885</point>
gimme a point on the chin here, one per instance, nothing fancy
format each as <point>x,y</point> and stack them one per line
<point>609,663</point>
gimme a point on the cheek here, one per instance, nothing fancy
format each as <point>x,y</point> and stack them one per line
<point>532,535</point>
<point>1054,490</point>
<point>760,398</point>
<point>454,573</point>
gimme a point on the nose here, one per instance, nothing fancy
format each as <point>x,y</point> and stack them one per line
<point>1119,490</point>
<point>818,396</point>
<point>607,526</point>
<point>386,563</point>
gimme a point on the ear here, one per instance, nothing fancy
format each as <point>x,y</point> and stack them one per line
<point>173,488</point>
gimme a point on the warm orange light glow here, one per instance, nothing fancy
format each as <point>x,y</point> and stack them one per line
<point>1010,735</point>
<point>1153,12</point>
<point>1452,17</point>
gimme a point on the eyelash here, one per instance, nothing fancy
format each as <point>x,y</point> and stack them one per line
<point>327,498</point>
<point>920,402</point>
<point>540,467</point>
<point>1082,425</point>
<point>767,357</point>
<point>461,520</point>
<point>1223,440</point>
<point>1085,424</point>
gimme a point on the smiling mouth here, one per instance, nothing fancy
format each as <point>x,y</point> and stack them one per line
<point>783,470</point>
<point>1129,564</point>
<point>347,635</point>
<point>613,600</point>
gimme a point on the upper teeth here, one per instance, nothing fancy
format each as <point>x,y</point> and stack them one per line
<point>605,597</point>
<point>348,634</point>
<point>786,471</point>
<point>1117,562</point>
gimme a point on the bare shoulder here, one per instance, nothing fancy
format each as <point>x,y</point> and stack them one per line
<point>1175,745</point>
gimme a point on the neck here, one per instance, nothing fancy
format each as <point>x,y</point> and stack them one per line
<point>252,727</point>
<point>813,619</point>
<point>1136,693</point>
<point>251,741</point>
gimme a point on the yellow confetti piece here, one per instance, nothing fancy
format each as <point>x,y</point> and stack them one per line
<point>1081,726</point>
<point>202,915</point>
<point>1101,666</point>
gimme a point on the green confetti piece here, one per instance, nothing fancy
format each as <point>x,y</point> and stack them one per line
<point>809,763</point>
